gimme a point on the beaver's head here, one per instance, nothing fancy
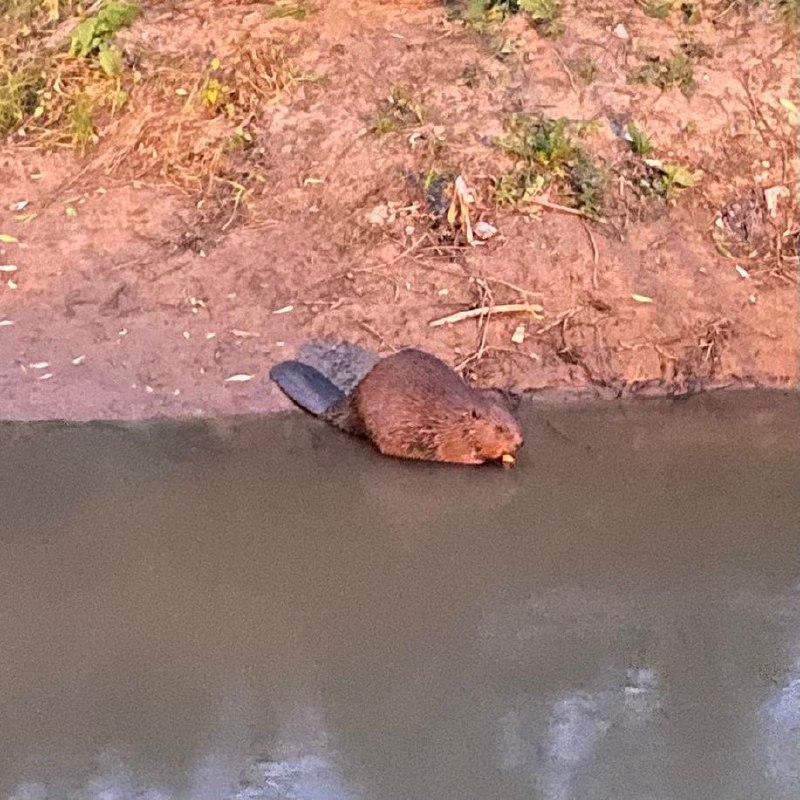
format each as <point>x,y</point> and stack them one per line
<point>493,432</point>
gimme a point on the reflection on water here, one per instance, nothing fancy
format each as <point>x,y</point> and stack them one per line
<point>779,715</point>
<point>781,732</point>
<point>265,609</point>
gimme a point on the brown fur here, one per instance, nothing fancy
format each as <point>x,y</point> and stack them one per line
<point>412,405</point>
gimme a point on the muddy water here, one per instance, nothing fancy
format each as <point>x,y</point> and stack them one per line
<point>264,609</point>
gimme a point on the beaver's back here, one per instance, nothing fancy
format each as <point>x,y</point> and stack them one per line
<point>410,401</point>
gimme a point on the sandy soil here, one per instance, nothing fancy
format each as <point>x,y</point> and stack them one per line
<point>131,299</point>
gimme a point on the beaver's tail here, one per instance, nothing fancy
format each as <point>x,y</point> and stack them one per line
<point>308,387</point>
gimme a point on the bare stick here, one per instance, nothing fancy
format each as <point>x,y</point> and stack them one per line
<point>513,286</point>
<point>560,319</point>
<point>370,330</point>
<point>510,308</point>
<point>595,254</point>
<point>576,212</point>
<point>567,70</point>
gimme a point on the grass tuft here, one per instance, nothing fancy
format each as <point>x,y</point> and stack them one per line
<point>665,73</point>
<point>546,152</point>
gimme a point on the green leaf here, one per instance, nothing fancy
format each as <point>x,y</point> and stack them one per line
<point>96,32</point>
<point>82,38</point>
<point>118,15</point>
<point>679,176</point>
<point>110,61</point>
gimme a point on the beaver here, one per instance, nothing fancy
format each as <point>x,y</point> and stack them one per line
<point>411,405</point>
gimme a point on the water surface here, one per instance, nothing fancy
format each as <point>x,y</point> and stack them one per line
<point>267,609</point>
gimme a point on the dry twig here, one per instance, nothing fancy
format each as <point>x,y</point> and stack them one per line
<point>595,254</point>
<point>576,212</point>
<point>533,309</point>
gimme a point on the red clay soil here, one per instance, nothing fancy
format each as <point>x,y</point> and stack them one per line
<point>129,302</point>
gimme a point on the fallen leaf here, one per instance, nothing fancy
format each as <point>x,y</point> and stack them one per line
<point>78,360</point>
<point>642,298</point>
<point>676,173</point>
<point>518,337</point>
<point>8,267</point>
<point>459,207</point>
<point>743,273</point>
<point>794,114</point>
<point>20,205</point>
<point>284,310</point>
<point>679,175</point>
<point>772,196</point>
<point>485,230</point>
<point>245,334</point>
<point>380,215</point>
<point>4,323</point>
<point>621,32</point>
<point>39,365</point>
<point>8,239</point>
<point>240,378</point>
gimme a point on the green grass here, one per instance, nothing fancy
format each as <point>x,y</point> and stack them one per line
<point>658,9</point>
<point>297,9</point>
<point>546,152</point>
<point>667,180</point>
<point>399,112</point>
<point>657,178</point>
<point>584,68</point>
<point>638,140</point>
<point>18,96</point>
<point>35,13</point>
<point>483,14</point>
<point>81,121</point>
<point>546,15</point>
<point>665,73</point>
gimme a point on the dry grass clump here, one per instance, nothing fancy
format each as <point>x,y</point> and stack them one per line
<point>65,81</point>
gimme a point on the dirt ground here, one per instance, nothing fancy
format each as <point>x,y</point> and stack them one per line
<point>134,286</point>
